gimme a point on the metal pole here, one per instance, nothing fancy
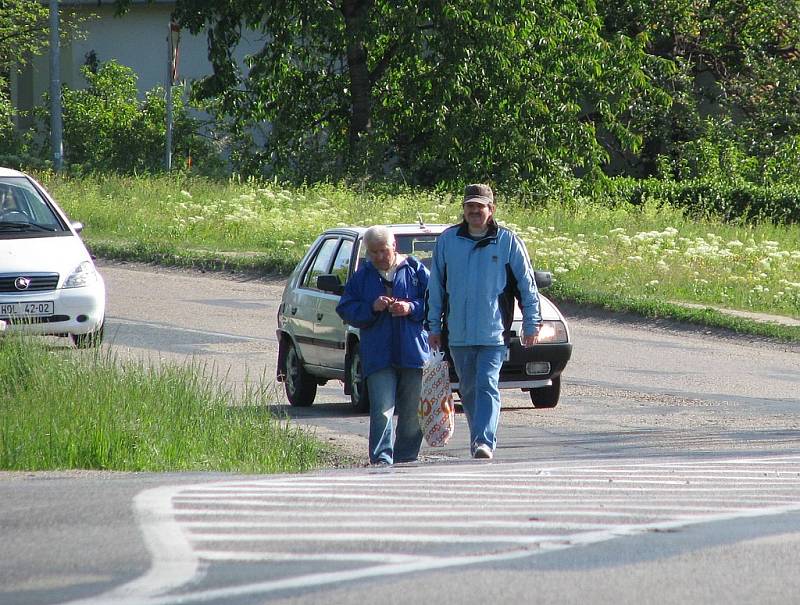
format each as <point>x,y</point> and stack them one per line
<point>170,50</point>
<point>56,131</point>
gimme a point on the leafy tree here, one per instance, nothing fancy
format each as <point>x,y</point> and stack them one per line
<point>108,128</point>
<point>441,90</point>
<point>735,82</point>
<point>23,32</point>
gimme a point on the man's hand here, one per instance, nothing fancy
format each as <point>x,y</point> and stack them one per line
<point>435,341</point>
<point>528,340</point>
<point>382,303</point>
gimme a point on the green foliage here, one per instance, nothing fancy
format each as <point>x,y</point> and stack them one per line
<point>731,201</point>
<point>734,81</point>
<point>23,32</point>
<point>437,91</point>
<point>621,238</point>
<point>60,410</point>
<point>108,128</point>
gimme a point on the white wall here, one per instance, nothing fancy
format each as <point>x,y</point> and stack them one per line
<point>138,40</point>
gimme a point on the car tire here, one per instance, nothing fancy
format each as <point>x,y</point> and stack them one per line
<point>547,397</point>
<point>300,386</point>
<point>359,396</point>
<point>90,340</point>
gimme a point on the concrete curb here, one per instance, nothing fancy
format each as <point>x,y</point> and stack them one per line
<point>759,317</point>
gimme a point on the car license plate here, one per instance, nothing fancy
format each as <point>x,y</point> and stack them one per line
<point>34,308</point>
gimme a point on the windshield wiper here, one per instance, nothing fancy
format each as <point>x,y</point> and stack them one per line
<point>23,226</point>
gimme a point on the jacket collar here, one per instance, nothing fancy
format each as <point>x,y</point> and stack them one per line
<point>463,231</point>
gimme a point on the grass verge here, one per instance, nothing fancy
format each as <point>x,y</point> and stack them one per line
<point>59,410</point>
<point>600,250</point>
<point>656,309</point>
<point>560,291</point>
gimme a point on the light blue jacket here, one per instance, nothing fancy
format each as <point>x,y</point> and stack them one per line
<point>473,285</point>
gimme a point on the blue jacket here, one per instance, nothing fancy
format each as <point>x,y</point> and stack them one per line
<point>473,285</point>
<point>387,341</point>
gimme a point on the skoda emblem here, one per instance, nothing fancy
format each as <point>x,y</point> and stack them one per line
<point>22,283</point>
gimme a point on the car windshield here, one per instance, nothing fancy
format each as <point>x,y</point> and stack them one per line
<point>419,245</point>
<point>23,209</point>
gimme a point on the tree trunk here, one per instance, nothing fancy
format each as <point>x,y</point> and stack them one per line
<point>355,12</point>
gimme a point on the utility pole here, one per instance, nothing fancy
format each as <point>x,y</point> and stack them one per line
<point>173,39</point>
<point>56,131</point>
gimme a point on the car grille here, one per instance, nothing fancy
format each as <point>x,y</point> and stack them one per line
<point>22,321</point>
<point>40,282</point>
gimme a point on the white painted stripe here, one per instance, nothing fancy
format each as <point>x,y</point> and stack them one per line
<point>275,556</point>
<point>526,504</point>
<point>322,579</point>
<point>510,478</point>
<point>503,513</point>
<point>161,326</point>
<point>173,562</point>
<point>523,484</point>
<point>176,565</point>
<point>480,498</point>
<point>368,523</point>
<point>428,538</point>
<point>790,479</point>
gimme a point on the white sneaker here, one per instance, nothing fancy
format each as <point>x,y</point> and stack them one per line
<point>483,451</point>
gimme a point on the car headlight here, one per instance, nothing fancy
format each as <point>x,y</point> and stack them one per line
<point>552,331</point>
<point>83,275</point>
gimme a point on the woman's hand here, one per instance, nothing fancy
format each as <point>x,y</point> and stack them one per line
<point>400,308</point>
<point>382,303</point>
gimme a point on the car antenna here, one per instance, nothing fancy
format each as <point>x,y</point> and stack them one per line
<point>419,218</point>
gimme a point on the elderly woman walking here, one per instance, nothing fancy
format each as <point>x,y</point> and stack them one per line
<point>385,299</point>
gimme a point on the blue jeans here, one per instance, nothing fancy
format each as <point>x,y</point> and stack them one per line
<point>393,389</point>
<point>478,370</point>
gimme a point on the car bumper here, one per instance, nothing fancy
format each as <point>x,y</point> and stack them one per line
<point>515,372</point>
<point>75,311</point>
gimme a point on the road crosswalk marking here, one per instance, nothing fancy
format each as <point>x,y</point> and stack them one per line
<point>348,525</point>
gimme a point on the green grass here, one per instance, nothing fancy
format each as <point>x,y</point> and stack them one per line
<point>60,410</point>
<point>616,255</point>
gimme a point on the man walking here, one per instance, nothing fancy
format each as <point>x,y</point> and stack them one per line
<point>478,270</point>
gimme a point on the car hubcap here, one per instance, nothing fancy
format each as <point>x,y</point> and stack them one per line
<point>355,377</point>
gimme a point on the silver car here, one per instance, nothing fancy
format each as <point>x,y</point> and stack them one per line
<point>316,346</point>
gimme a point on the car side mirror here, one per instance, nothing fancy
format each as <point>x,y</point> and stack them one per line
<point>544,279</point>
<point>77,226</point>
<point>330,283</point>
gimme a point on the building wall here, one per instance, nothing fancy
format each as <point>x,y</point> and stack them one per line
<point>137,39</point>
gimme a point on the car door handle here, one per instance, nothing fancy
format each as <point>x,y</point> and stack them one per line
<point>320,316</point>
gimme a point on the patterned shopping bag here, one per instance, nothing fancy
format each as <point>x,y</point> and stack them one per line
<point>436,411</point>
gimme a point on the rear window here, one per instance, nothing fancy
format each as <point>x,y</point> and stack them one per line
<point>420,246</point>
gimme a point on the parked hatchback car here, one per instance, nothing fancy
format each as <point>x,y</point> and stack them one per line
<point>48,281</point>
<point>315,345</point>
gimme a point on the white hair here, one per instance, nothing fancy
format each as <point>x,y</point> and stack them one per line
<point>378,234</point>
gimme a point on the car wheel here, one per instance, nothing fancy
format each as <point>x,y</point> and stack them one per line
<point>91,339</point>
<point>359,396</point>
<point>301,388</point>
<point>547,397</point>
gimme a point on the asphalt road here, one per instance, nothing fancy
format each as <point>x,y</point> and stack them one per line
<point>632,386</point>
<point>669,473</point>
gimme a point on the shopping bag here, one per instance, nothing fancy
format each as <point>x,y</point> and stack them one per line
<point>436,412</point>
